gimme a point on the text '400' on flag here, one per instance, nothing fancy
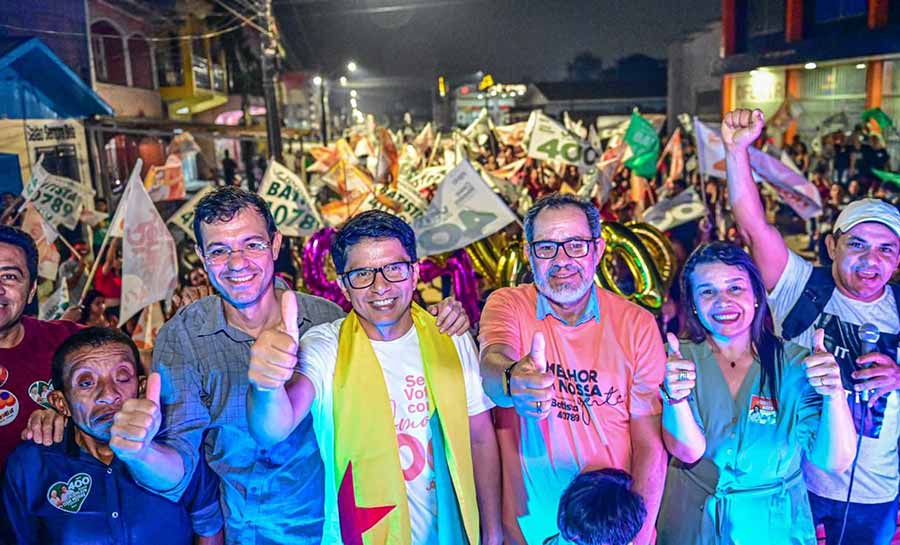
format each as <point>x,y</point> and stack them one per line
<point>291,205</point>
<point>464,210</point>
<point>149,266</point>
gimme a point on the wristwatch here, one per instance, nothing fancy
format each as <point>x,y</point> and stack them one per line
<point>507,375</point>
<point>667,398</point>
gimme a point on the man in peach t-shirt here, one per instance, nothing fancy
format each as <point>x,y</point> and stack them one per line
<point>578,369</point>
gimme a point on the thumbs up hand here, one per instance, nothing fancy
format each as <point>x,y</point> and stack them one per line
<point>530,385</point>
<point>681,374</point>
<point>822,370</point>
<point>137,422</point>
<point>273,356</point>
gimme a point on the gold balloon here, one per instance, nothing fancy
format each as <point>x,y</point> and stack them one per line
<point>621,242</point>
<point>660,248</point>
<point>511,266</point>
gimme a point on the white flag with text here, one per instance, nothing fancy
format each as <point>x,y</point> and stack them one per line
<point>464,210</point>
<point>149,262</point>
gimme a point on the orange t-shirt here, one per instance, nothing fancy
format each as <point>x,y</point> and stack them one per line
<point>606,372</point>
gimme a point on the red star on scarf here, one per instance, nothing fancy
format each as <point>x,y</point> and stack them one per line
<point>355,521</point>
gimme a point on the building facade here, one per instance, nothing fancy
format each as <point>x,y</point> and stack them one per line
<point>829,59</point>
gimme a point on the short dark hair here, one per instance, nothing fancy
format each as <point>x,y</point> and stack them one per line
<point>371,224</point>
<point>559,200</point>
<point>92,337</point>
<point>21,239</point>
<point>599,508</point>
<point>224,204</point>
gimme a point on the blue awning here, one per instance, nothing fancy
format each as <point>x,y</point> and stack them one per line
<point>35,83</point>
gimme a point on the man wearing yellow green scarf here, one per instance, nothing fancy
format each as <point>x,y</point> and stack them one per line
<point>403,424</point>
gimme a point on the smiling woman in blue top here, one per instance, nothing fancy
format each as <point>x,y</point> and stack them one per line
<point>741,408</point>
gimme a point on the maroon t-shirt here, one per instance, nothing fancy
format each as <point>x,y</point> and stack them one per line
<point>25,377</point>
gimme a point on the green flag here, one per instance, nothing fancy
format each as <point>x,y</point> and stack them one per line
<point>641,137</point>
<point>892,177</point>
<point>879,116</point>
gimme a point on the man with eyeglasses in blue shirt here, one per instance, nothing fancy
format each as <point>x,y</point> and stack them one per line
<point>271,494</point>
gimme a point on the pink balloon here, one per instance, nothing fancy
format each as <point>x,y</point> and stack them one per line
<point>315,253</point>
<point>462,277</point>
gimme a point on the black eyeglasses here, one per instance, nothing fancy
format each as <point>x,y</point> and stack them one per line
<point>392,272</point>
<point>574,247</point>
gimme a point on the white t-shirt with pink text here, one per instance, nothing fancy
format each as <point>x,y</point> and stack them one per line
<point>401,362</point>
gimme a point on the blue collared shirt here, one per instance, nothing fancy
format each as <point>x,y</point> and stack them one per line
<point>591,310</point>
<point>61,494</point>
<point>270,495</point>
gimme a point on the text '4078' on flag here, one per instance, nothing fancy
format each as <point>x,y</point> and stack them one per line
<point>289,200</point>
<point>149,266</point>
<point>464,210</point>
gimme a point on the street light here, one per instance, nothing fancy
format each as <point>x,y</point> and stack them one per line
<point>325,83</point>
<point>353,103</point>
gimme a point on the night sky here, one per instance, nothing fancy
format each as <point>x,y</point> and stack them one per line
<point>512,39</point>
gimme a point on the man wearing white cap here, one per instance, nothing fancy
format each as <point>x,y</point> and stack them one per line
<point>864,246</point>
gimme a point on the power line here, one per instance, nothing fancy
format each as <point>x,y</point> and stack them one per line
<point>204,35</point>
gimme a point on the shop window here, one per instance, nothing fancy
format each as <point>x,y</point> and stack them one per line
<point>765,17</point>
<point>141,65</point>
<point>200,63</point>
<point>830,10</point>
<point>61,159</point>
<point>109,53</point>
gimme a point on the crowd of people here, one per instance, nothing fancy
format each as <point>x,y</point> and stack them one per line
<point>766,408</point>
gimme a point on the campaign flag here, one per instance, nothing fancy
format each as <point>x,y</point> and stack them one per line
<point>149,262</point>
<point>710,150</point>
<point>603,174</point>
<point>43,235</point>
<point>550,141</point>
<point>58,199</point>
<point>147,328</point>
<point>790,184</point>
<point>641,137</point>
<point>882,119</point>
<point>183,218</point>
<point>425,140</point>
<point>673,149</point>
<point>674,211</point>
<point>55,305</point>
<point>387,167</point>
<point>289,200</point>
<point>511,135</point>
<point>430,176</point>
<point>885,176</point>
<point>402,200</point>
<point>464,210</point>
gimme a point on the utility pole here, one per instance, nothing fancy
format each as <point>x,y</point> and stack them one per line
<point>269,46</point>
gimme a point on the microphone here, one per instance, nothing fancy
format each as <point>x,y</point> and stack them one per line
<point>868,337</point>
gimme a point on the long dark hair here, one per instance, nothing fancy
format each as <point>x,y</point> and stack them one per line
<point>765,345</point>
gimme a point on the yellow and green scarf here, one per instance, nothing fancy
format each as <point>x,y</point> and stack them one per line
<point>372,501</point>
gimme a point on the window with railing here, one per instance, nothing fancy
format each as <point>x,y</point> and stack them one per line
<point>765,17</point>
<point>109,53</point>
<point>831,10</point>
<point>141,65</point>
